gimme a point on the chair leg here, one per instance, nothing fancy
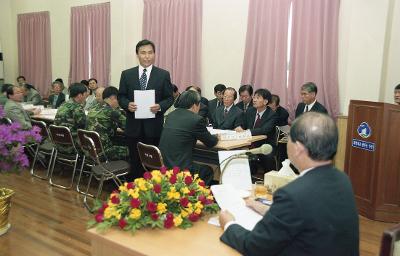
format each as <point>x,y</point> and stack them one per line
<point>80,176</point>
<point>86,194</point>
<point>73,174</point>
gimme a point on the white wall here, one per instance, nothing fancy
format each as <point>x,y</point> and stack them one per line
<point>369,42</point>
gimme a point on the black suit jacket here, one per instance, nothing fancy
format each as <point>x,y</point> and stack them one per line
<point>241,105</point>
<point>159,81</point>
<point>313,215</point>
<point>267,126</point>
<point>233,118</point>
<point>60,99</point>
<point>212,106</point>
<point>182,129</point>
<point>204,101</point>
<point>282,116</point>
<point>318,107</point>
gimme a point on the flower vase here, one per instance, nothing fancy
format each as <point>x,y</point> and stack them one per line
<point>5,204</point>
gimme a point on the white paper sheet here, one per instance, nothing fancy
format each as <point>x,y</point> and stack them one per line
<point>228,198</point>
<point>237,173</point>
<point>144,99</point>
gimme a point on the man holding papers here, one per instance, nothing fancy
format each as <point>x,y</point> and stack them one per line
<point>314,214</point>
<point>147,127</point>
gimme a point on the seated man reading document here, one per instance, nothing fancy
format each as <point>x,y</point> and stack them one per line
<point>313,215</point>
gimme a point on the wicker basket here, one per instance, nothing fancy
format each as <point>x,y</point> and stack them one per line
<point>5,204</point>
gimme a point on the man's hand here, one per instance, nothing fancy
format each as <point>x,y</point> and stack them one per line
<point>225,217</point>
<point>256,206</point>
<point>155,108</point>
<point>239,129</point>
<point>132,106</point>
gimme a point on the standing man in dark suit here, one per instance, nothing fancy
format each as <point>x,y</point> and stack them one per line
<point>214,103</point>
<point>245,94</point>
<point>310,103</point>
<point>182,128</point>
<point>228,116</point>
<point>313,215</point>
<point>144,77</point>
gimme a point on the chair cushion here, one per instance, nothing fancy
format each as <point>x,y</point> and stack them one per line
<point>113,166</point>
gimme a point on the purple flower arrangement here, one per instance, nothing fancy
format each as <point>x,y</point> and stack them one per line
<point>12,141</point>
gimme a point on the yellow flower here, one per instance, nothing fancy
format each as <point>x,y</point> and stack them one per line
<point>169,174</point>
<point>123,187</point>
<point>180,175</point>
<point>184,213</point>
<point>185,190</point>
<point>135,214</point>
<point>141,183</point>
<point>198,205</point>
<point>178,221</point>
<point>156,176</point>
<point>198,210</point>
<point>111,212</point>
<point>173,194</point>
<point>210,197</point>
<point>134,193</point>
<point>195,176</point>
<point>161,208</point>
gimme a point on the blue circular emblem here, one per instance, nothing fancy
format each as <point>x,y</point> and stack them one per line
<point>364,130</point>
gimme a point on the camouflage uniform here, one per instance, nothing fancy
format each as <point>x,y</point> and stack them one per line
<point>71,115</point>
<point>105,120</point>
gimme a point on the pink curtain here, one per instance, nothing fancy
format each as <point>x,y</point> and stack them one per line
<point>90,43</point>
<point>34,49</point>
<point>175,28</point>
<point>264,64</point>
<point>314,52</point>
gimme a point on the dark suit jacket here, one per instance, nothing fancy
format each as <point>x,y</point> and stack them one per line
<point>267,126</point>
<point>204,101</point>
<point>313,215</point>
<point>233,119</point>
<point>212,106</point>
<point>241,105</point>
<point>318,107</point>
<point>182,129</point>
<point>159,81</point>
<point>282,116</point>
<point>60,99</point>
<point>203,110</point>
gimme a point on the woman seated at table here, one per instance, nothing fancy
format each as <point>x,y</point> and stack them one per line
<point>58,97</point>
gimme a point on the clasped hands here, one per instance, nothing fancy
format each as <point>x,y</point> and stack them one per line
<point>132,107</point>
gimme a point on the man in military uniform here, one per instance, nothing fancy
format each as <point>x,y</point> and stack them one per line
<point>105,120</point>
<point>71,113</point>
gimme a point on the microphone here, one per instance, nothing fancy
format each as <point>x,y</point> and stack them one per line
<point>264,149</point>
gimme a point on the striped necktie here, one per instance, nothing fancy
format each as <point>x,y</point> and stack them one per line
<point>143,80</point>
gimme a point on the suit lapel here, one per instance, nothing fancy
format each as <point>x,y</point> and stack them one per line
<point>150,83</point>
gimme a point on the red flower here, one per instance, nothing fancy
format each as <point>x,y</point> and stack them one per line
<point>184,201</point>
<point>130,185</point>
<point>173,179</point>
<point>154,216</point>
<point>101,210</point>
<point>122,223</point>
<point>135,203</point>
<point>151,206</point>
<point>188,180</point>
<point>193,217</point>
<point>163,170</point>
<point>157,188</point>
<point>168,223</point>
<point>192,192</point>
<point>201,183</point>
<point>208,201</point>
<point>115,192</point>
<point>170,216</point>
<point>99,217</point>
<point>147,176</point>
<point>175,170</point>
<point>114,200</point>
<point>202,199</point>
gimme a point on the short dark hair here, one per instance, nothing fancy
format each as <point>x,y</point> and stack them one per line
<point>77,88</point>
<point>187,99</point>
<point>21,77</point>
<point>29,86</point>
<point>310,87</point>
<point>59,80</point>
<point>318,133</point>
<point>264,93</point>
<point>397,87</point>
<point>94,79</point>
<point>110,91</point>
<point>275,98</point>
<point>57,83</point>
<point>85,82</point>
<point>143,43</point>
<point>10,90</point>
<point>219,88</point>
<point>194,87</point>
<point>246,87</point>
<point>234,92</point>
<point>5,86</point>
<point>175,88</point>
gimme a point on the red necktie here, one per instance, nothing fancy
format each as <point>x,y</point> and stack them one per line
<point>257,123</point>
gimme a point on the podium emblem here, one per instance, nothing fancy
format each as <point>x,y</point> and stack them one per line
<point>364,130</point>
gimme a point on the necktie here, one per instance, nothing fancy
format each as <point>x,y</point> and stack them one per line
<point>257,122</point>
<point>244,107</point>
<point>306,108</point>
<point>143,80</point>
<point>225,112</point>
<point>218,103</point>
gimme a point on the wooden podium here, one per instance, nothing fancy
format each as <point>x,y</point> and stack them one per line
<point>373,158</point>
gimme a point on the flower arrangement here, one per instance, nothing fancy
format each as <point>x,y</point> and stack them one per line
<point>161,199</point>
<point>12,141</point>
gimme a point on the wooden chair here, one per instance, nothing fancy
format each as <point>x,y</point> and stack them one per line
<point>102,171</point>
<point>62,139</point>
<point>150,156</point>
<point>390,243</point>
<point>45,147</point>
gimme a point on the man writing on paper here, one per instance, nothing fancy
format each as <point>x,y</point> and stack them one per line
<point>144,77</point>
<point>314,214</point>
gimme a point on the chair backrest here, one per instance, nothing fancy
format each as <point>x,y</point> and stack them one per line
<point>5,120</point>
<point>282,134</point>
<point>85,143</point>
<point>43,128</point>
<point>90,148</point>
<point>61,135</point>
<point>150,156</point>
<point>390,243</point>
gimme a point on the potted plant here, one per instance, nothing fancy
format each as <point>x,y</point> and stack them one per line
<point>12,159</point>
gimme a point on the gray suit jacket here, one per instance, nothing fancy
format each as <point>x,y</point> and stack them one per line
<point>16,113</point>
<point>233,118</point>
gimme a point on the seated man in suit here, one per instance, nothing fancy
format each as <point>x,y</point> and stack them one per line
<point>397,94</point>
<point>182,128</point>
<point>214,103</point>
<point>58,97</point>
<point>31,95</point>
<point>228,116</point>
<point>313,215</point>
<point>310,103</point>
<point>281,113</point>
<point>203,107</point>
<point>245,94</point>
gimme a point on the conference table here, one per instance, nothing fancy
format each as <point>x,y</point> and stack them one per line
<point>201,239</point>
